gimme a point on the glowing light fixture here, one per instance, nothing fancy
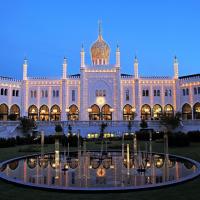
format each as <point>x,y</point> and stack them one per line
<point>101,172</point>
<point>33,110</point>
<point>89,110</point>
<point>100,101</point>
<point>133,109</point>
<point>111,109</point>
<point>55,111</point>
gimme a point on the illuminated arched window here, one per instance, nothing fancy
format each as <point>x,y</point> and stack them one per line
<point>196,110</point>
<point>157,111</point>
<point>128,112</point>
<point>55,113</point>
<point>15,110</point>
<point>146,112</point>
<point>169,110</point>
<point>44,113</point>
<point>3,112</point>
<point>186,111</point>
<point>33,112</point>
<point>73,113</point>
<point>106,112</point>
<point>95,112</point>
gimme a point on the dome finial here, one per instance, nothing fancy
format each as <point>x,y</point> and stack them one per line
<point>82,47</point>
<point>117,47</point>
<point>100,50</point>
<point>175,59</point>
<point>100,28</point>
<point>136,59</point>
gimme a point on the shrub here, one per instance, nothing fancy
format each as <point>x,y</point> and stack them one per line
<point>144,134</point>
<point>12,117</point>
<point>178,139</point>
<point>194,136</point>
<point>26,124</point>
<point>143,124</point>
<point>58,128</point>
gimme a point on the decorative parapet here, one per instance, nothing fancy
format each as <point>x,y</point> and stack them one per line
<point>74,76</point>
<point>190,79</point>
<point>9,79</point>
<point>125,76</point>
<point>193,76</point>
<point>43,78</point>
<point>156,77</point>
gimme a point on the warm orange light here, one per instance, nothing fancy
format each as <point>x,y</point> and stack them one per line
<point>101,172</point>
<point>100,101</point>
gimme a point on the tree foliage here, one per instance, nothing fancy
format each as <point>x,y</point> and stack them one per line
<point>170,122</point>
<point>143,124</point>
<point>70,130</point>
<point>102,129</point>
<point>12,117</point>
<point>58,128</point>
<point>27,124</point>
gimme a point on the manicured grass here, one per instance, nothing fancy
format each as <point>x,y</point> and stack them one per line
<point>185,191</point>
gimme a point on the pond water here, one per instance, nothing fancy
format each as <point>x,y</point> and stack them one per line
<point>96,171</point>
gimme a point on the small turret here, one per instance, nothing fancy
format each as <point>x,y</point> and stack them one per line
<point>176,74</point>
<point>118,57</point>
<point>82,56</point>
<point>64,75</point>
<point>136,75</point>
<point>25,66</point>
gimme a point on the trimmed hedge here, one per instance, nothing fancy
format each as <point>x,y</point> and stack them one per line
<point>11,142</point>
<point>194,136</point>
<point>178,139</point>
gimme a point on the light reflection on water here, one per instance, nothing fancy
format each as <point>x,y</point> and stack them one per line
<point>93,170</point>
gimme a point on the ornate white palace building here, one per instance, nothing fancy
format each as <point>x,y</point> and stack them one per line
<point>100,92</point>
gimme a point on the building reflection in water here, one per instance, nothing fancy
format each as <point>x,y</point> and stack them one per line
<point>94,169</point>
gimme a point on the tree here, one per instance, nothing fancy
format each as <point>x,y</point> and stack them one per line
<point>143,124</point>
<point>70,130</point>
<point>12,117</point>
<point>102,129</point>
<point>170,122</point>
<point>129,126</point>
<point>27,124</point>
<point>58,128</point>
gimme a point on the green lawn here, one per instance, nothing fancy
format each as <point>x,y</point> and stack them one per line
<point>189,190</point>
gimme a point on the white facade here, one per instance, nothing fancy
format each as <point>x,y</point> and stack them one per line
<point>100,92</point>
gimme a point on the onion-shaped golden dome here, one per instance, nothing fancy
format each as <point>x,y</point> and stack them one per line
<point>100,51</point>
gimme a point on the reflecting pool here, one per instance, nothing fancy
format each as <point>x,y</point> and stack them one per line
<point>95,170</point>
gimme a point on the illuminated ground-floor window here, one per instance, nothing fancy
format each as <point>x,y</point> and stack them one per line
<point>128,112</point>
<point>196,110</point>
<point>169,110</point>
<point>73,113</point>
<point>186,112</point>
<point>33,112</point>
<point>157,111</point>
<point>55,114</point>
<point>44,113</point>
<point>15,110</point>
<point>3,112</point>
<point>146,112</point>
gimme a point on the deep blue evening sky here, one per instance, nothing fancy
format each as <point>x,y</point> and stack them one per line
<point>45,31</point>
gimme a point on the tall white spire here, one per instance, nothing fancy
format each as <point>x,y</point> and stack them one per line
<point>82,56</point>
<point>118,57</point>
<point>100,28</point>
<point>176,73</point>
<point>25,66</point>
<point>136,75</point>
<point>64,75</point>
